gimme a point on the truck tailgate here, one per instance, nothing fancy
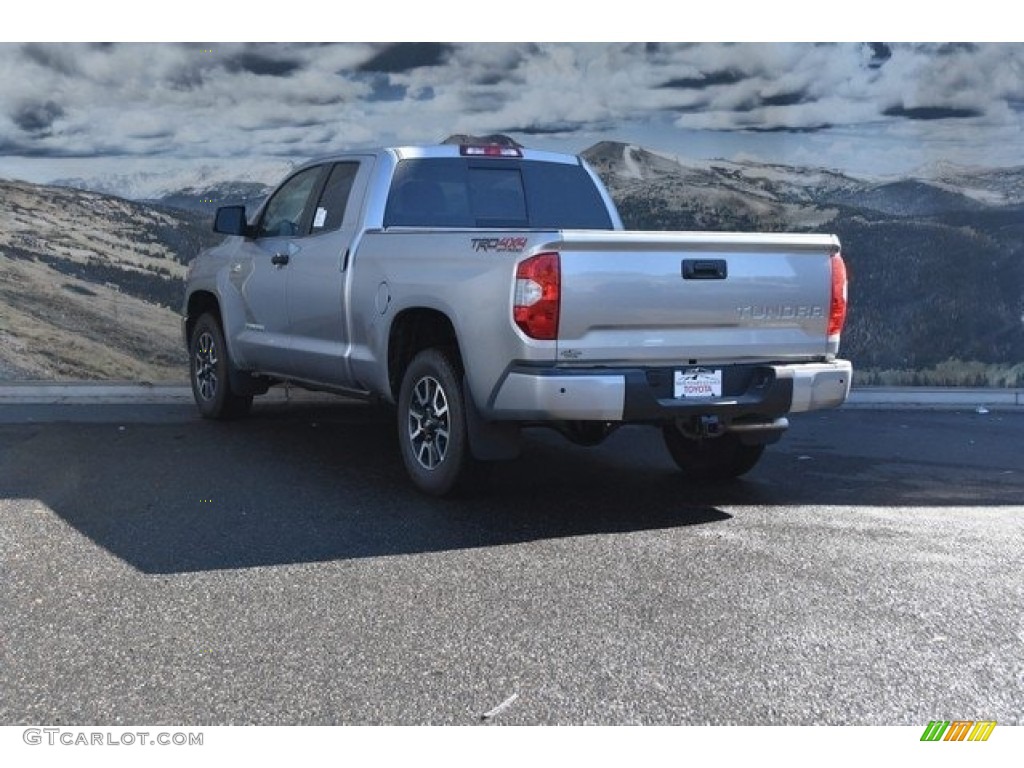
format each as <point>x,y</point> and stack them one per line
<point>702,297</point>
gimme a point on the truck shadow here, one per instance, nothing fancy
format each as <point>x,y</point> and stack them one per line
<point>316,482</point>
<point>309,483</point>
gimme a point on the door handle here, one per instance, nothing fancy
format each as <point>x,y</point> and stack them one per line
<point>280,259</point>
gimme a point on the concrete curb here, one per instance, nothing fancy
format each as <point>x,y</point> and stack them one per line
<point>124,393</point>
<point>166,393</point>
<point>87,392</point>
<point>945,398</point>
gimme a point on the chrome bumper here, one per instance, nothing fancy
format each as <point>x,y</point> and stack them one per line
<point>609,394</point>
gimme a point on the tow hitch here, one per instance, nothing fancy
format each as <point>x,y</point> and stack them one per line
<point>701,427</point>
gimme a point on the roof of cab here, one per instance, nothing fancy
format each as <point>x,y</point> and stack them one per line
<point>439,150</point>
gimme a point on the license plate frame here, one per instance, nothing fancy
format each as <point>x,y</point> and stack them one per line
<point>697,383</point>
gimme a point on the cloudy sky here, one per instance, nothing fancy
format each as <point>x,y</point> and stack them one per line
<point>872,108</point>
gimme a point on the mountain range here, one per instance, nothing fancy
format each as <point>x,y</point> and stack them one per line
<point>90,283</point>
<point>198,187</point>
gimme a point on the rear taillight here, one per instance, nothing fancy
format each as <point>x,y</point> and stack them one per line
<point>837,312</point>
<point>538,296</point>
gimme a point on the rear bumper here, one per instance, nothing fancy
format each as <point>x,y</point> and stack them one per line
<point>529,393</point>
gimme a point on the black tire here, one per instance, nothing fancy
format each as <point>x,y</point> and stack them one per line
<point>715,459</point>
<point>209,367</point>
<point>432,423</point>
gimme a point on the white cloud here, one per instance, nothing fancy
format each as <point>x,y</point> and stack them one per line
<point>235,100</point>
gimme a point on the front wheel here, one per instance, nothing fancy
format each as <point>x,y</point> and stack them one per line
<point>432,423</point>
<point>711,459</point>
<point>209,367</point>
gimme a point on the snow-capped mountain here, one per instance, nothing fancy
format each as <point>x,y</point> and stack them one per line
<point>756,195</point>
<point>991,186</point>
<point>192,186</point>
<point>798,196</point>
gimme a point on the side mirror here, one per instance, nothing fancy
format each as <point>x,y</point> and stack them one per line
<point>230,220</point>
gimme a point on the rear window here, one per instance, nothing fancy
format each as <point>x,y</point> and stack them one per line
<point>491,194</point>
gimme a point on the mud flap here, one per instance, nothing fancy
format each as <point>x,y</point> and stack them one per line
<point>243,383</point>
<point>490,440</point>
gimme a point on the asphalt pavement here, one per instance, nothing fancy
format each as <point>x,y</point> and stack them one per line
<point>157,568</point>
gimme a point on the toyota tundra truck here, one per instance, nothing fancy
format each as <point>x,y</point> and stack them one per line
<point>482,289</point>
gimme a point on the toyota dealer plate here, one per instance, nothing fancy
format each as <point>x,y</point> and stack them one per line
<point>697,383</point>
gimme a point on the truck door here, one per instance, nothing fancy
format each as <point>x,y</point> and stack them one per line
<point>317,304</point>
<point>264,262</point>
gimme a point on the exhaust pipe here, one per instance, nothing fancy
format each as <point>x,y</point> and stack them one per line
<point>778,425</point>
<point>748,432</point>
<point>759,432</point>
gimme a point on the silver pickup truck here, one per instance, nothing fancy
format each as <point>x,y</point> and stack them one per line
<point>482,289</point>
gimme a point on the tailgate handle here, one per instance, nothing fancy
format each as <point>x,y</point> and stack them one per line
<point>705,269</point>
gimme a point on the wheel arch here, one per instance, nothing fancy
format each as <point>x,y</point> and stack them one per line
<point>199,303</point>
<point>203,302</point>
<point>419,328</point>
<point>413,330</point>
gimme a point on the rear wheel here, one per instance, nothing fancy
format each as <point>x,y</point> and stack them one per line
<point>711,459</point>
<point>432,423</point>
<point>209,367</point>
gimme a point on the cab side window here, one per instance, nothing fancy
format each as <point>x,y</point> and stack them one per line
<point>330,209</point>
<point>283,216</point>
